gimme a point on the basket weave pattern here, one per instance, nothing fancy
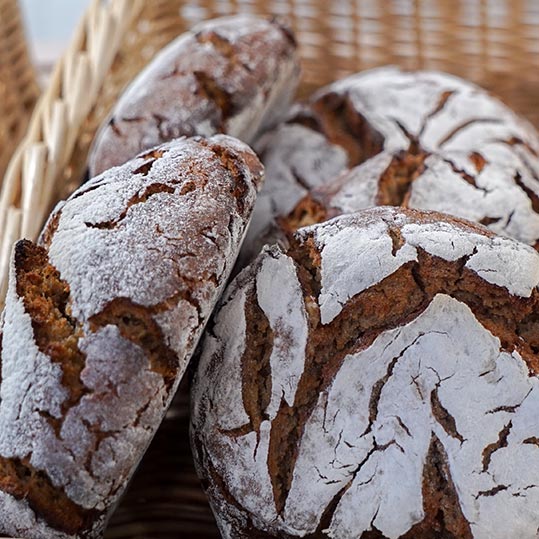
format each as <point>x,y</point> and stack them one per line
<point>494,43</point>
<point>18,87</point>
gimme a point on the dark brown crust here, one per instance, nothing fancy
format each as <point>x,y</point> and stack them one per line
<point>333,114</point>
<point>395,301</point>
<point>256,368</point>
<point>394,188</point>
<point>396,181</point>
<point>46,299</point>
<point>209,65</point>
<point>137,325</point>
<point>308,211</point>
<point>343,125</point>
<point>230,160</point>
<point>22,481</point>
<point>443,515</point>
<point>56,334</point>
<point>210,88</point>
<point>50,229</point>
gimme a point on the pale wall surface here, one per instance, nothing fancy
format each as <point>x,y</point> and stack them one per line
<point>50,24</point>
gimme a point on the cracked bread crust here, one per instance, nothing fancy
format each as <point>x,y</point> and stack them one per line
<point>100,322</point>
<point>503,196</point>
<point>392,391</point>
<point>233,75</point>
<point>400,113</point>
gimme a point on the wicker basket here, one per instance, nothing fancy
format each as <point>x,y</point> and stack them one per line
<point>18,87</point>
<point>492,42</point>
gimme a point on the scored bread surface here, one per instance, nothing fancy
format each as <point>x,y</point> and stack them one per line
<point>503,196</point>
<point>376,380</point>
<point>403,114</point>
<point>101,319</point>
<point>233,75</point>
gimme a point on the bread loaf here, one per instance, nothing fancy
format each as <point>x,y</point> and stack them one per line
<point>408,115</point>
<point>100,321</point>
<point>377,380</point>
<point>233,75</point>
<point>503,196</point>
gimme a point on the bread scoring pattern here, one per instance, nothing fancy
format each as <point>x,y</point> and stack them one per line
<point>233,75</point>
<point>101,319</point>
<point>441,143</point>
<point>407,405</point>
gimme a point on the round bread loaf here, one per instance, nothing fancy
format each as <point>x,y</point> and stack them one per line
<point>234,75</point>
<point>100,321</point>
<point>503,196</point>
<point>389,389</point>
<point>413,114</point>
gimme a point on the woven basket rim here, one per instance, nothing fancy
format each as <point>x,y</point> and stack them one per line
<point>19,89</point>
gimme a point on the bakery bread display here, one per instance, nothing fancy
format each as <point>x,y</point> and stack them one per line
<point>379,379</point>
<point>101,319</point>
<point>371,376</point>
<point>407,114</point>
<point>234,75</point>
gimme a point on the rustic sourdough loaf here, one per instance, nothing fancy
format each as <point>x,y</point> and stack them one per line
<point>100,321</point>
<point>234,75</point>
<point>389,389</point>
<point>409,116</point>
<point>503,196</point>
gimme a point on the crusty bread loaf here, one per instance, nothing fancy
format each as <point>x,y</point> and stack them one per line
<point>234,75</point>
<point>503,196</point>
<point>100,321</point>
<point>405,114</point>
<point>377,380</point>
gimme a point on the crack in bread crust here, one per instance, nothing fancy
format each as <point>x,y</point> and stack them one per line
<point>421,118</point>
<point>233,75</point>
<point>46,298</point>
<point>289,423</point>
<point>396,182</point>
<point>57,334</point>
<point>24,482</point>
<point>89,364</point>
<point>345,126</point>
<point>137,325</point>
<point>149,191</point>
<point>443,514</point>
<point>293,441</point>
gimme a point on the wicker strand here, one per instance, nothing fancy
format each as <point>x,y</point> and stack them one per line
<point>18,87</point>
<point>31,184</point>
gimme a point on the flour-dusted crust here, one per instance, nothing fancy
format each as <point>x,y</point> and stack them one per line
<point>101,319</point>
<point>433,109</point>
<point>300,159</point>
<point>233,75</point>
<point>387,110</point>
<point>501,194</point>
<point>379,379</point>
